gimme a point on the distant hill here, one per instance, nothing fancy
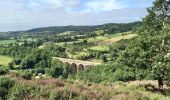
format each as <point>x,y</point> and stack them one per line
<point>60,29</point>
<point>114,27</point>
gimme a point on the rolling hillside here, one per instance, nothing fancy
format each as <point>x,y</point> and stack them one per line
<point>58,29</point>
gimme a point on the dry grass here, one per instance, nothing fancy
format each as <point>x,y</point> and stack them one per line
<point>115,39</point>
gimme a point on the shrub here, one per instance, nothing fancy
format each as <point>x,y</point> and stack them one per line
<point>17,61</point>
<point>11,65</point>
<point>18,92</point>
<point>26,75</point>
<point>5,86</point>
<point>54,95</point>
<point>3,71</point>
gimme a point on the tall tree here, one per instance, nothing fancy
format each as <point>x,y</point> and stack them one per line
<point>158,14</point>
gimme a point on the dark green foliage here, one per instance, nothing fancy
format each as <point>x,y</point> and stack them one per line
<point>97,73</point>
<point>5,85</point>
<point>97,55</point>
<point>72,36</point>
<point>60,29</point>
<point>11,65</point>
<point>26,75</point>
<point>118,28</point>
<point>158,15</point>
<point>3,70</point>
<point>103,58</point>
<point>56,69</point>
<point>115,27</point>
<point>17,61</point>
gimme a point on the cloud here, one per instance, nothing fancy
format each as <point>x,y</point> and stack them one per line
<point>104,5</point>
<point>27,14</point>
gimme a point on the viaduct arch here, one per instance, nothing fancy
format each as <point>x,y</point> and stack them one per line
<point>76,65</point>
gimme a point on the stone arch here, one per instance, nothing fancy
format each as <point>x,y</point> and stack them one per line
<point>81,67</point>
<point>73,68</point>
<point>67,66</point>
<point>67,63</point>
<point>61,61</point>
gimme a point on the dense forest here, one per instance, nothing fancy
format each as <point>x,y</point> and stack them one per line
<point>34,74</point>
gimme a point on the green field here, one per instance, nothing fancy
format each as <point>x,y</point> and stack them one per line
<point>118,34</point>
<point>66,33</point>
<point>100,48</point>
<point>4,60</point>
<point>93,39</point>
<point>3,42</point>
<point>77,55</point>
<point>97,39</point>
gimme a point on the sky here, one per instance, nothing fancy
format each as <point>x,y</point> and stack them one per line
<point>27,14</point>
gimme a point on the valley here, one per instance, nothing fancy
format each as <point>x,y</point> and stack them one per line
<point>112,61</point>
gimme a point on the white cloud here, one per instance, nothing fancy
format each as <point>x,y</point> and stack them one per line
<point>56,3</point>
<point>72,3</point>
<point>104,5</point>
<point>27,14</point>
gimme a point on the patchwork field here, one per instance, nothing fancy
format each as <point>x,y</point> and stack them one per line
<point>4,60</point>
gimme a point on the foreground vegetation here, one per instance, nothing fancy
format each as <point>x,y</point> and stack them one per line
<point>78,90</point>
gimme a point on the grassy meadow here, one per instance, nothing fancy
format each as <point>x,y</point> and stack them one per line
<point>118,38</point>
<point>4,60</point>
<point>100,48</point>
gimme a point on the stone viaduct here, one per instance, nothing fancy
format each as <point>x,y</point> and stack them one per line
<point>76,65</point>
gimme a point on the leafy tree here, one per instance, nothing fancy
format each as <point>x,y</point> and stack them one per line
<point>154,22</point>
<point>56,69</point>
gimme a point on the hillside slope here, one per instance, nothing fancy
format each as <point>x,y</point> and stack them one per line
<point>59,29</point>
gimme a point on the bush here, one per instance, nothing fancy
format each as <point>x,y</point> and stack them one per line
<point>5,85</point>
<point>26,75</point>
<point>17,61</point>
<point>11,65</point>
<point>54,95</point>
<point>3,71</point>
<point>17,92</point>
